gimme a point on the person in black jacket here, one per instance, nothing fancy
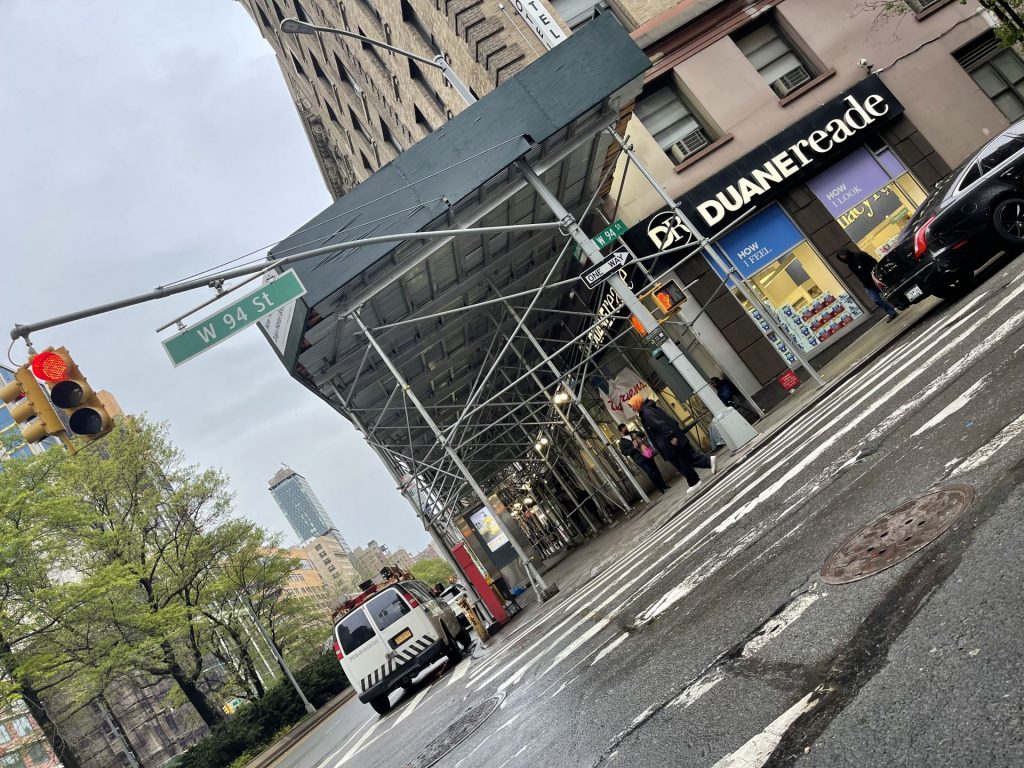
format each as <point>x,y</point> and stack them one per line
<point>861,264</point>
<point>670,440</point>
<point>631,444</point>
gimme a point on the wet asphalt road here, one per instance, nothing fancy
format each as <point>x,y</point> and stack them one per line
<point>712,641</point>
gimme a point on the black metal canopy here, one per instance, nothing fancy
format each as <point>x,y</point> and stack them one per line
<point>435,305</point>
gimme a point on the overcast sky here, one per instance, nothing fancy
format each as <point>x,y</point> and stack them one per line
<point>141,142</point>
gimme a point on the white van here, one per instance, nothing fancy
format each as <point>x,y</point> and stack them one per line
<point>390,635</point>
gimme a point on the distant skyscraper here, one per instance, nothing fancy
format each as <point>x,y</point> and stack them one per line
<point>302,508</point>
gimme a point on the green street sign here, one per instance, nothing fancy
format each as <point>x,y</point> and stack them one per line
<point>229,320</point>
<point>609,234</point>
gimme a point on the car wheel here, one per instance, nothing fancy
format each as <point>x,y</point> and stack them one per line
<point>381,705</point>
<point>951,285</point>
<point>1008,219</point>
<point>464,638</point>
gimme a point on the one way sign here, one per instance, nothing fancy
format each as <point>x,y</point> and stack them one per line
<point>599,272</point>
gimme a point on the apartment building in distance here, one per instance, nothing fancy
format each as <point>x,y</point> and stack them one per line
<point>371,558</point>
<point>305,582</point>
<point>333,563</point>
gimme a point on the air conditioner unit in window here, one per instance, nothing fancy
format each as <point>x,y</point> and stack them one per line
<point>790,81</point>
<point>692,142</point>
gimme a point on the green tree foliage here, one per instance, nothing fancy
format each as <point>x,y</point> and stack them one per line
<point>432,571</point>
<point>253,728</point>
<point>123,561</point>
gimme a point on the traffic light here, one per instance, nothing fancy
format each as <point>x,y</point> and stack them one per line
<point>30,407</point>
<point>70,391</point>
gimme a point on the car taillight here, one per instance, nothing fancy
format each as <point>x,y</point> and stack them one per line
<point>337,650</point>
<point>920,239</point>
<point>410,600</point>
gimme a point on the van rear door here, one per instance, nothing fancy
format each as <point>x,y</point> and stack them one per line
<point>406,631</point>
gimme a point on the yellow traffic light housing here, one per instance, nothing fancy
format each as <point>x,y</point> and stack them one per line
<point>87,417</point>
<point>30,407</point>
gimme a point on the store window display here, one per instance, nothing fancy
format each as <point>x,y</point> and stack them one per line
<point>872,196</point>
<point>790,280</point>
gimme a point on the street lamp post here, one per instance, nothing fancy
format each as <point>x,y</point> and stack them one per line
<point>294,26</point>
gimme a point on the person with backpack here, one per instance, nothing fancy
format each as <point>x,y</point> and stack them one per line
<point>634,445</point>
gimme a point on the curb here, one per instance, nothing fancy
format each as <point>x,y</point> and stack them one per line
<point>813,399</point>
<point>277,750</point>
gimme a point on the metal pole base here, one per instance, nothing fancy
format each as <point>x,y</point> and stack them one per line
<point>547,593</point>
<point>734,429</point>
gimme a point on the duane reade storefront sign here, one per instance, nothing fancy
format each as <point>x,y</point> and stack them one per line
<point>802,150</point>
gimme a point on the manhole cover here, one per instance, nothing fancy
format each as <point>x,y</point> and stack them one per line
<point>456,733</point>
<point>897,535</point>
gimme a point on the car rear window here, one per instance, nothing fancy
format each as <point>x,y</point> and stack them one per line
<point>998,151</point>
<point>354,630</point>
<point>387,608</point>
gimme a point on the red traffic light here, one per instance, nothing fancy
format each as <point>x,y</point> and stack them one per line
<point>49,366</point>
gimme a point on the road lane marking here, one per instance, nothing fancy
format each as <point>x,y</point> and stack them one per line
<point>359,744</point>
<point>610,647</point>
<point>775,626</point>
<point>759,749</point>
<point>347,741</point>
<point>408,708</point>
<point>459,673</point>
<point>1008,434</point>
<point>954,406</point>
<point>692,694</point>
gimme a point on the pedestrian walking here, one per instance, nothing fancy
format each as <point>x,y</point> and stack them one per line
<point>634,445</point>
<point>861,264</point>
<point>670,440</point>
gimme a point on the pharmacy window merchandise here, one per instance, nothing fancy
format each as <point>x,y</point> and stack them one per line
<point>791,281</point>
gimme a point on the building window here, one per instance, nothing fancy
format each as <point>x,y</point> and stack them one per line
<point>922,5</point>
<point>12,761</point>
<point>366,162</point>
<point>298,67</point>
<point>263,18</point>
<point>300,12</point>
<point>410,17</point>
<point>672,123</point>
<point>421,119</point>
<point>4,735</point>
<point>775,58</point>
<point>22,726</point>
<point>389,137</point>
<point>417,75</point>
<point>998,71</point>
<point>368,5</point>
<point>359,126</point>
<point>370,49</point>
<point>37,753</point>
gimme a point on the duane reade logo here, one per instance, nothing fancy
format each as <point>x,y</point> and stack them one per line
<point>667,229</point>
<point>858,116</point>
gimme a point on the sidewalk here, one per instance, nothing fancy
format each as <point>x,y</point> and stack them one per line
<point>593,557</point>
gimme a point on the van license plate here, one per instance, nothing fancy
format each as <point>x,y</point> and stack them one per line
<point>914,293</point>
<point>402,637</point>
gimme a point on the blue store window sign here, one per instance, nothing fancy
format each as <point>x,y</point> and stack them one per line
<point>766,237</point>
